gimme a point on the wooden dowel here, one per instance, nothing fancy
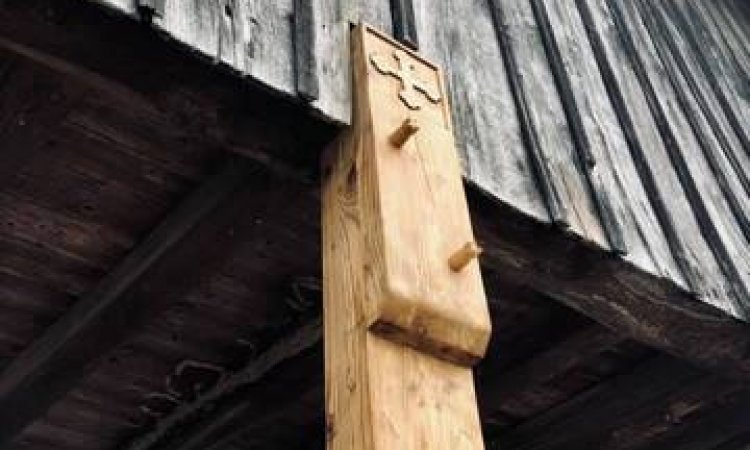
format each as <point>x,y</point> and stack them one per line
<point>463,256</point>
<point>402,134</point>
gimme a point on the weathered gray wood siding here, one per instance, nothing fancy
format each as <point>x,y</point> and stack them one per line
<point>626,122</point>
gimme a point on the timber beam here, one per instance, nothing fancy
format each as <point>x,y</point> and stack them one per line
<point>405,313</point>
<point>616,294</point>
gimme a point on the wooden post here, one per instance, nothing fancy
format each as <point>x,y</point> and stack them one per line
<point>405,311</point>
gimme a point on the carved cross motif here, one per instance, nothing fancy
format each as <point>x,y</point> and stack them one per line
<point>405,72</point>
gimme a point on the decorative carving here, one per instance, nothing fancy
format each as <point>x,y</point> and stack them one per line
<point>190,378</point>
<point>405,72</point>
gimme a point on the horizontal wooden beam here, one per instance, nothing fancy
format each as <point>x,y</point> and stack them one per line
<point>100,320</point>
<point>613,292</point>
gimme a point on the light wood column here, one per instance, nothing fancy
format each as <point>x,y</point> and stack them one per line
<point>405,311</point>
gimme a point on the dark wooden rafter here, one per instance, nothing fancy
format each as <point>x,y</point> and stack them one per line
<point>230,108</point>
<point>587,159</point>
<point>73,71</point>
<point>101,319</point>
<point>222,427</point>
<point>537,155</point>
<point>230,419</point>
<point>735,443</point>
<point>689,415</point>
<point>34,118</point>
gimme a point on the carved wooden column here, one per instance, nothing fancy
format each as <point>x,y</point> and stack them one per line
<point>405,311</point>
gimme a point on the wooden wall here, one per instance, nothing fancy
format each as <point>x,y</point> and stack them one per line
<point>626,122</point>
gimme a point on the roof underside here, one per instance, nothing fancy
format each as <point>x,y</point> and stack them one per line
<point>123,327</point>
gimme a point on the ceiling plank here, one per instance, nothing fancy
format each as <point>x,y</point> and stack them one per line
<point>101,319</point>
<point>286,348</point>
<point>727,421</point>
<point>545,366</point>
<point>570,424</point>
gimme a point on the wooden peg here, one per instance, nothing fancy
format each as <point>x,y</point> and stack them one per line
<point>404,132</point>
<point>463,256</point>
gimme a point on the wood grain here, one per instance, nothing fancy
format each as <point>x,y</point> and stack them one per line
<point>386,273</point>
<point>535,124</point>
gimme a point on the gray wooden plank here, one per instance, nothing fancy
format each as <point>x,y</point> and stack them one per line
<point>484,115</point>
<point>256,39</point>
<point>718,28</point>
<point>549,120</point>
<point>707,203</point>
<point>305,52</point>
<point>725,82</point>
<point>700,85</point>
<point>657,174</point>
<point>333,20</point>
<point>736,41</point>
<point>588,162</point>
<point>209,28</point>
<point>687,96</point>
<point>741,10</point>
<point>332,62</point>
<point>538,155</point>
<point>647,244</point>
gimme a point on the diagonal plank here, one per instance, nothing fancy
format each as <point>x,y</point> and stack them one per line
<point>51,365</point>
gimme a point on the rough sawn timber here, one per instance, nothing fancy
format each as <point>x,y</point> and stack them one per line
<point>392,302</point>
<point>627,124</point>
